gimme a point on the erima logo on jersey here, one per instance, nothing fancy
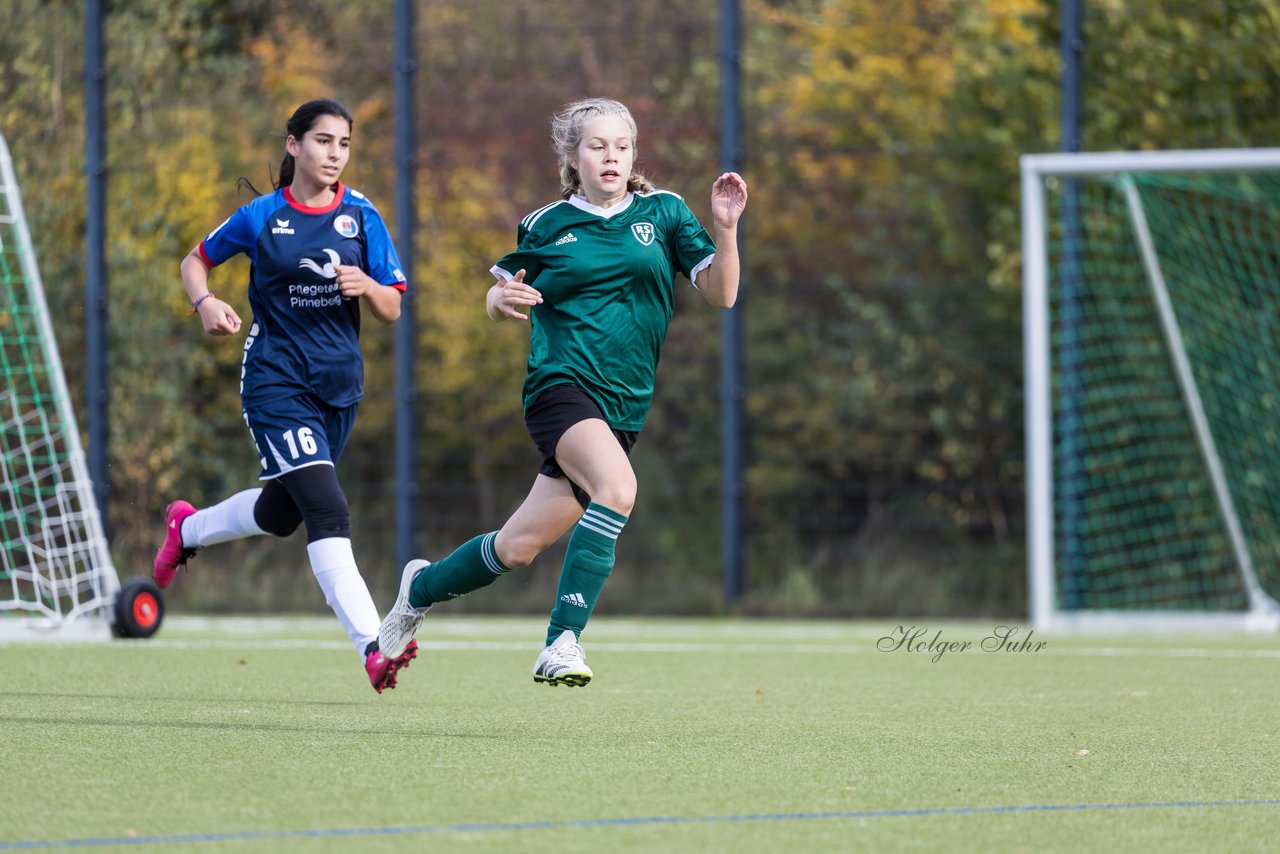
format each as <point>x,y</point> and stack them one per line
<point>329,271</point>
<point>346,226</point>
<point>568,238</point>
<point>282,227</point>
<point>644,232</point>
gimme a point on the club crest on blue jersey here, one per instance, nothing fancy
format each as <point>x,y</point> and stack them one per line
<point>644,232</point>
<point>346,226</point>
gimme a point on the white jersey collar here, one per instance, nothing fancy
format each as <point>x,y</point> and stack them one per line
<point>580,201</point>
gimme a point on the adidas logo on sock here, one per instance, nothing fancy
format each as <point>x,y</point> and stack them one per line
<point>574,599</point>
<point>568,238</point>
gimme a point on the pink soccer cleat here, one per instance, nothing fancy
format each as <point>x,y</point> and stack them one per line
<point>382,670</point>
<point>172,553</point>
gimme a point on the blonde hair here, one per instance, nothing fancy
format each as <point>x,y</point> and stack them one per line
<point>566,136</point>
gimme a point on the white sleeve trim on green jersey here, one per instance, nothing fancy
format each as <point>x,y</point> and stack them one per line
<point>500,274</point>
<point>533,217</point>
<point>702,265</point>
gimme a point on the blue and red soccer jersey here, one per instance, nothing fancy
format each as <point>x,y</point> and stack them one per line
<point>305,335</point>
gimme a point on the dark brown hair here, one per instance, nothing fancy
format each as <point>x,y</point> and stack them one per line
<point>303,119</point>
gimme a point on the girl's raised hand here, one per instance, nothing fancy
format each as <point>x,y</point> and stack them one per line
<point>728,199</point>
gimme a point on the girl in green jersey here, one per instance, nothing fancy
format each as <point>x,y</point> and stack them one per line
<point>594,276</point>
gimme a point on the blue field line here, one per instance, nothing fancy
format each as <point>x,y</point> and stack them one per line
<point>491,827</point>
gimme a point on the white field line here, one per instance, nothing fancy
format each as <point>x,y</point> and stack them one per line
<point>517,627</point>
<point>759,648</point>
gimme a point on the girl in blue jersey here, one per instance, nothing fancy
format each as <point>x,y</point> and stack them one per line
<point>594,274</point>
<point>319,250</point>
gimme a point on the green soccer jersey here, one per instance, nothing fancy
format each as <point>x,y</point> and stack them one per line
<point>607,279</point>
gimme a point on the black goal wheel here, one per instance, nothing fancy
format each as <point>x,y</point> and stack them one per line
<point>139,609</point>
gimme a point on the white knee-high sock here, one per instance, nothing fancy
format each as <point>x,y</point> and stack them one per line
<point>231,519</point>
<point>334,565</point>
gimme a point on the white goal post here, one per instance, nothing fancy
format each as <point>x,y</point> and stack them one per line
<point>1145,275</point>
<point>56,573</point>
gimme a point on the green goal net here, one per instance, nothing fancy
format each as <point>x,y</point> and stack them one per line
<point>55,566</point>
<point>1153,378</point>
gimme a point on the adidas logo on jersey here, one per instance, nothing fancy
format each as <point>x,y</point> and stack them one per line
<point>568,238</point>
<point>282,227</point>
<point>574,599</point>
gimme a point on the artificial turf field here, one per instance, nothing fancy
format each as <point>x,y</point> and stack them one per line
<point>248,735</point>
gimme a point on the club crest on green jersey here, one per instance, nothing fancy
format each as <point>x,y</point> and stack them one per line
<point>644,232</point>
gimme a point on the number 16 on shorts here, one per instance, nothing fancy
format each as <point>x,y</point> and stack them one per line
<point>308,433</point>
<point>306,440</point>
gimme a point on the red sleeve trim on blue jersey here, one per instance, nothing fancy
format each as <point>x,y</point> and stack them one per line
<point>205,257</point>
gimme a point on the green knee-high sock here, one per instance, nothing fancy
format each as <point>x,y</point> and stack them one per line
<point>587,564</point>
<point>472,565</point>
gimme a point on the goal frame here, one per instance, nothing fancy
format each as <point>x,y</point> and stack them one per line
<point>1263,614</point>
<point>91,613</point>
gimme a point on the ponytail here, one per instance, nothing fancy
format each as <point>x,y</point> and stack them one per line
<point>286,171</point>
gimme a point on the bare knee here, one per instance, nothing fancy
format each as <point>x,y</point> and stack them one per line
<point>517,551</point>
<point>619,495</point>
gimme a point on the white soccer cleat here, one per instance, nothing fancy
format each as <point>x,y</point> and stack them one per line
<point>563,663</point>
<point>403,619</point>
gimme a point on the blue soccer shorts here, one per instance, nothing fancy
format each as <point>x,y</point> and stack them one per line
<point>298,431</point>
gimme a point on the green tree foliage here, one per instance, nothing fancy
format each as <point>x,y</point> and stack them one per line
<point>1182,75</point>
<point>884,376</point>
